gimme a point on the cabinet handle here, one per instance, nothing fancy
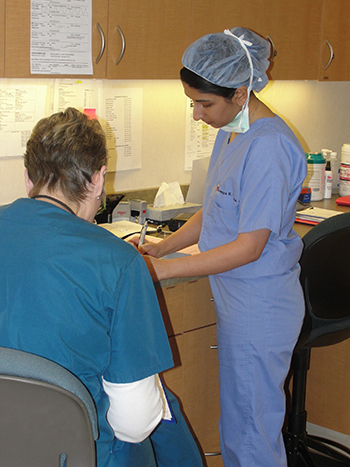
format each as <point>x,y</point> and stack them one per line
<point>273,48</point>
<point>212,453</point>
<point>331,55</point>
<point>102,49</point>
<point>214,347</point>
<point>123,45</point>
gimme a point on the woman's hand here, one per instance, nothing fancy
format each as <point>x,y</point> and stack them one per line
<point>151,248</point>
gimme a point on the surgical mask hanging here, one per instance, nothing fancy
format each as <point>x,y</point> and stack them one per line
<point>240,124</point>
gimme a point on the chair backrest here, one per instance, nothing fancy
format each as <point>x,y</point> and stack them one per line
<point>325,278</point>
<point>47,416</point>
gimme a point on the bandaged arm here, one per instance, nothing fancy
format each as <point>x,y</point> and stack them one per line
<point>135,408</point>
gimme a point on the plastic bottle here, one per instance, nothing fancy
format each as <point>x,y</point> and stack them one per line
<point>344,175</point>
<point>328,178</point>
<point>316,165</point>
<point>335,166</point>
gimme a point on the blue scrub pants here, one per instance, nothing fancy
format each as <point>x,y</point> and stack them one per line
<point>257,332</point>
<point>170,445</point>
<point>173,444</point>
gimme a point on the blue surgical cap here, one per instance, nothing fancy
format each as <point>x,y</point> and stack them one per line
<point>222,59</point>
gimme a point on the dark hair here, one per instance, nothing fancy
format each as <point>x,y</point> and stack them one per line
<point>64,151</point>
<point>203,85</point>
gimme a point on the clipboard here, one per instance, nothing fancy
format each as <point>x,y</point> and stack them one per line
<point>343,200</point>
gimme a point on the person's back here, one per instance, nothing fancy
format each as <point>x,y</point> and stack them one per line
<point>74,293</point>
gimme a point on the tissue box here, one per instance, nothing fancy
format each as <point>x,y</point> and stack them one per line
<point>165,213</point>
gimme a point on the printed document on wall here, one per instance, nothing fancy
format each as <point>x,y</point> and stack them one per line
<point>199,138</point>
<point>81,94</point>
<point>120,113</point>
<point>20,109</point>
<point>60,37</point>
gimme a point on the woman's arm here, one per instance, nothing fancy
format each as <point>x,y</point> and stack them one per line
<point>247,248</point>
<point>135,408</point>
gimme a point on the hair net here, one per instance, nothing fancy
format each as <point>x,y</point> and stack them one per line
<point>222,58</point>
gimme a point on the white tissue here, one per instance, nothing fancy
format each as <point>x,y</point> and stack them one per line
<point>168,195</point>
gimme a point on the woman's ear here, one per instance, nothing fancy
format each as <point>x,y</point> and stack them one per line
<point>98,180</point>
<point>28,182</point>
<point>241,95</point>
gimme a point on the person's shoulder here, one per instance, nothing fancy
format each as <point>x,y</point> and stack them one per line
<point>108,242</point>
<point>276,131</point>
<point>10,210</point>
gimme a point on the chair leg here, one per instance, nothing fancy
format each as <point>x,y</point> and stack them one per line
<point>302,449</point>
<point>334,453</point>
<point>297,452</point>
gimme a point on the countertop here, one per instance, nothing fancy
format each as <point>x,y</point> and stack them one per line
<point>301,230</point>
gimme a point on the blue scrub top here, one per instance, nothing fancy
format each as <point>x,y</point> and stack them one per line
<point>254,183</point>
<point>76,294</point>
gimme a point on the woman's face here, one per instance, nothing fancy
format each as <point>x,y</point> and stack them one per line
<point>213,110</point>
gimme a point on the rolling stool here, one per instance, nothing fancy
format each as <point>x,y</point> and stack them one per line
<point>325,278</point>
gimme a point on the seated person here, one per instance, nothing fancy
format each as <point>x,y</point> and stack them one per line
<point>76,294</point>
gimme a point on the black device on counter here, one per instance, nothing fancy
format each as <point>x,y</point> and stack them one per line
<point>176,222</point>
<point>106,215</point>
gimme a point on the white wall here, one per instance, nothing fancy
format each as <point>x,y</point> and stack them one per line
<point>318,112</point>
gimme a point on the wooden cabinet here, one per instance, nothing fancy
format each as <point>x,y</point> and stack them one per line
<point>156,34</point>
<point>294,28</point>
<point>2,39</point>
<point>328,383</point>
<point>335,41</point>
<point>146,40</point>
<point>190,320</point>
<point>17,39</point>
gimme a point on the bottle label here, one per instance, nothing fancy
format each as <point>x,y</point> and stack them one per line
<point>344,172</point>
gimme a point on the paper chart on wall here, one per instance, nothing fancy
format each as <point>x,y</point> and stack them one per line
<point>20,109</point>
<point>81,94</point>
<point>60,37</point>
<point>199,138</point>
<point>120,113</point>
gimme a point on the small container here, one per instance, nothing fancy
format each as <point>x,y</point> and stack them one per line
<point>344,187</point>
<point>335,166</point>
<point>328,181</point>
<point>344,174</point>
<point>316,165</point>
<point>345,154</point>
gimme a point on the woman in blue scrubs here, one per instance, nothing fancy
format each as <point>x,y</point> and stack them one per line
<point>246,240</point>
<point>68,293</point>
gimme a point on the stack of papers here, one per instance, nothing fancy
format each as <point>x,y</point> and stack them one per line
<point>124,229</point>
<point>314,216</point>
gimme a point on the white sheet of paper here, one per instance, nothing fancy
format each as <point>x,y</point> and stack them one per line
<point>195,192</point>
<point>20,109</point>
<point>120,113</point>
<point>60,37</point>
<point>199,138</point>
<point>80,94</point>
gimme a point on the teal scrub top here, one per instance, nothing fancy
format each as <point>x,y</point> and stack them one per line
<point>76,294</point>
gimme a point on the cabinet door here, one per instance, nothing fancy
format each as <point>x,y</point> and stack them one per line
<point>156,34</point>
<point>195,381</point>
<point>2,39</point>
<point>335,37</point>
<point>17,39</point>
<point>200,398</point>
<point>294,27</point>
